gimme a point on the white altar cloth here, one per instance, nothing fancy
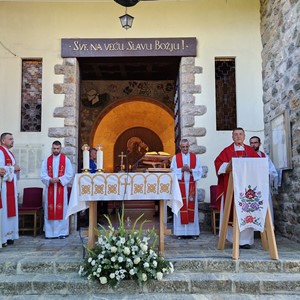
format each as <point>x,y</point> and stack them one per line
<point>124,186</point>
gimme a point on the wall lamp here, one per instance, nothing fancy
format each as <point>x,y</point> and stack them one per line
<point>126,20</point>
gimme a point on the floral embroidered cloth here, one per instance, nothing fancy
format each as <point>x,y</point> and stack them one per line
<point>251,191</point>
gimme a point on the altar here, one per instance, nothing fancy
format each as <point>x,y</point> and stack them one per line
<point>89,188</point>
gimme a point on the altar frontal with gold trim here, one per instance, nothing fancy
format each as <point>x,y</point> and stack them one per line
<point>124,186</point>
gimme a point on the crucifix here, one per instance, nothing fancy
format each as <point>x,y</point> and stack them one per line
<point>122,155</point>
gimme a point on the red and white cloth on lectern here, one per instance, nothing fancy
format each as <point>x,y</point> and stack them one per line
<point>251,191</point>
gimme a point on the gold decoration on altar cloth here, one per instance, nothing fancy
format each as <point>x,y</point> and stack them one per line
<point>114,184</point>
<point>99,189</point>
<point>164,188</point>
<point>151,188</point>
<point>85,189</point>
<point>112,189</point>
<point>138,189</point>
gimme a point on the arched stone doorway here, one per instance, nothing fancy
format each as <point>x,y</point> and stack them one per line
<point>133,113</point>
<point>70,130</point>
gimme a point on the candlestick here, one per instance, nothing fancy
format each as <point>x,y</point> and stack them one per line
<point>99,157</point>
<point>86,157</point>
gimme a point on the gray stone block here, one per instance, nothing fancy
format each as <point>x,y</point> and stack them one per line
<point>209,283</point>
<point>259,266</point>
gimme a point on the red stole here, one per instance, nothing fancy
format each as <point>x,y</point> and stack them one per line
<point>262,154</point>
<point>225,156</point>
<point>56,213</point>
<point>10,187</point>
<point>187,211</point>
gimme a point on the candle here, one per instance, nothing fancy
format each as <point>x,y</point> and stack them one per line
<point>86,157</point>
<point>99,157</point>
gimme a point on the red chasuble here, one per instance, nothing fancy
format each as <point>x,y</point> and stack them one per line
<point>10,188</point>
<point>187,211</point>
<point>224,157</point>
<point>56,212</point>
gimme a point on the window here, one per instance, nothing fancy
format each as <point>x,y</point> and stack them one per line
<point>225,93</point>
<point>31,99</point>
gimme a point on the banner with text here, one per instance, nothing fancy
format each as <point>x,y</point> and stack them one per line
<point>128,47</point>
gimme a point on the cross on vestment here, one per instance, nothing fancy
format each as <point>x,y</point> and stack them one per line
<point>122,155</point>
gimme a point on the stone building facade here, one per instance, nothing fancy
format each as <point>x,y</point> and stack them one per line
<point>223,29</point>
<point>280,32</point>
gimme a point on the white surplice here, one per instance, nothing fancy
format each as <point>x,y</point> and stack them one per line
<point>56,228</point>
<point>191,229</point>
<point>10,225</point>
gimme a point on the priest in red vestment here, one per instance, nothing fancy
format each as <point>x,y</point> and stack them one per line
<point>9,193</point>
<point>187,167</point>
<point>56,173</point>
<point>236,149</point>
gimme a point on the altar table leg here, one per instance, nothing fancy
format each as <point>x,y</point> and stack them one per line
<point>161,228</point>
<point>92,223</point>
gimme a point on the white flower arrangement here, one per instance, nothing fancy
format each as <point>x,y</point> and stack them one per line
<point>121,254</point>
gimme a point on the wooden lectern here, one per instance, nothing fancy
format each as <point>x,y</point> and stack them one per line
<point>267,237</point>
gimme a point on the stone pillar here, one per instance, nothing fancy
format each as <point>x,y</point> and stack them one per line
<point>188,111</point>
<point>70,88</point>
<point>188,108</point>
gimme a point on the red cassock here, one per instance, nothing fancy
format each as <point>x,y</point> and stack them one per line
<point>225,157</point>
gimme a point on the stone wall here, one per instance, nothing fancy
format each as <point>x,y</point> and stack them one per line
<point>70,89</point>
<point>280,31</point>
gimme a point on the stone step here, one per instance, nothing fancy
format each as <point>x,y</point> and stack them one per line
<point>63,265</point>
<point>254,265</point>
<point>156,296</point>
<point>179,283</point>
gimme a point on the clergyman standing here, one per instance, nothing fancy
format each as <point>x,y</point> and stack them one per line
<point>187,167</point>
<point>255,143</point>
<point>235,150</point>
<point>56,173</point>
<point>9,193</point>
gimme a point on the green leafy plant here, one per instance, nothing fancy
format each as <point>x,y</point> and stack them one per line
<point>124,254</point>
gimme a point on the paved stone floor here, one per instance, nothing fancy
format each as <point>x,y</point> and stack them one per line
<point>204,247</point>
<point>159,296</point>
<point>28,247</point>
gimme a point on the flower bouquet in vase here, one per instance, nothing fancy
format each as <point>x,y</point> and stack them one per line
<point>122,254</point>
